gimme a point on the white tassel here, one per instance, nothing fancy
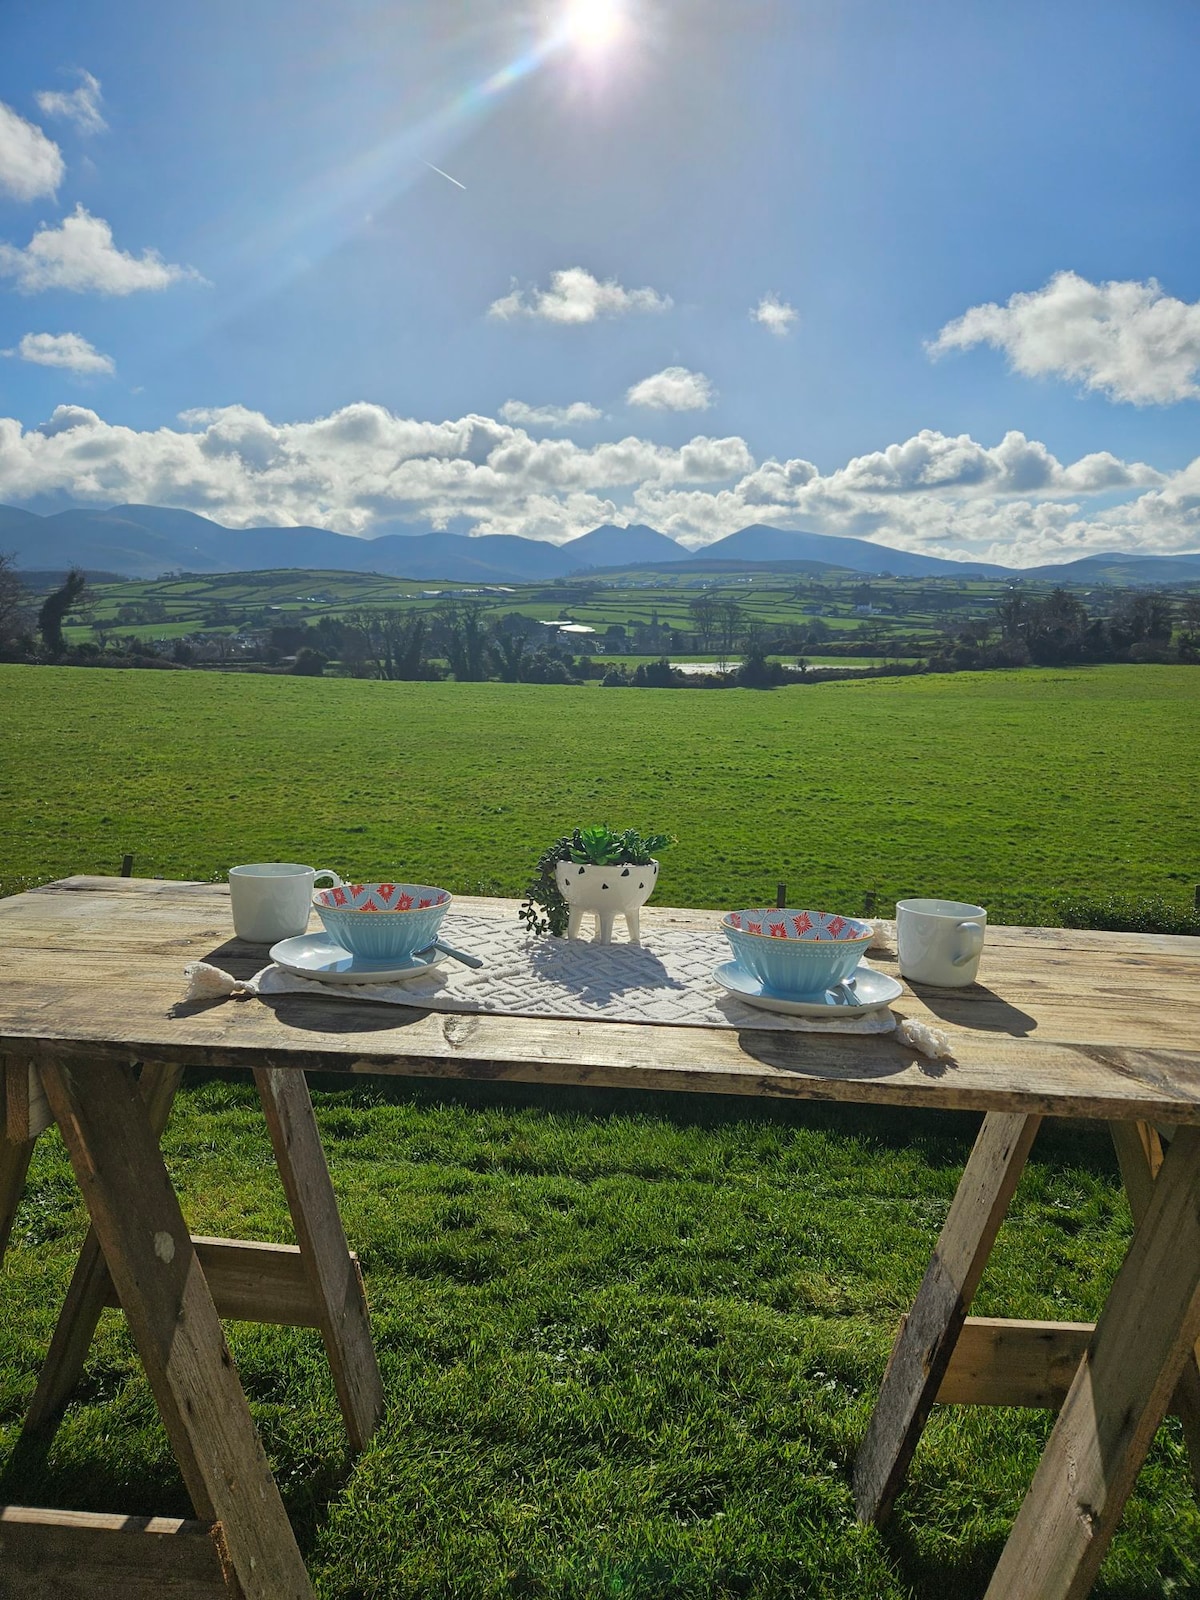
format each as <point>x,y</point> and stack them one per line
<point>931,1042</point>
<point>210,983</point>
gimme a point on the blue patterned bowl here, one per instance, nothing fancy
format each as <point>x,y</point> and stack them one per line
<point>382,921</point>
<point>796,953</point>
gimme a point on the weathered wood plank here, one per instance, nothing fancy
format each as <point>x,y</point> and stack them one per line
<point>253,1282</point>
<point>1140,1154</point>
<point>1119,1396</point>
<point>1068,1023</point>
<point>14,1164</point>
<point>26,1109</point>
<point>926,1342</point>
<point>333,1276</point>
<point>1001,1362</point>
<point>80,1555</point>
<point>167,891</point>
<point>90,1289</point>
<point>989,1071</point>
<point>174,1323</point>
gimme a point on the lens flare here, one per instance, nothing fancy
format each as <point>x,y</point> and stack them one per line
<point>593,26</point>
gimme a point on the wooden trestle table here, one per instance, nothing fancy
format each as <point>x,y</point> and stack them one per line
<point>92,1036</point>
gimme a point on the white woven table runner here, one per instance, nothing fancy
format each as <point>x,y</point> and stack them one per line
<point>666,979</point>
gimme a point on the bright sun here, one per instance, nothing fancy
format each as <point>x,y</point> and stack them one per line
<point>593,25</point>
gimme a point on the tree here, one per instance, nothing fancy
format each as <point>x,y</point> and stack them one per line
<point>56,606</point>
<point>465,639</point>
<point>13,611</point>
<point>729,625</point>
<point>309,663</point>
<point>390,639</point>
<point>703,612</point>
<point>1013,615</point>
<point>507,654</point>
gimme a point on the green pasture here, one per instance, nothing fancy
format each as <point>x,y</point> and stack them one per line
<point>223,602</point>
<point>629,1346</point>
<point>1006,788</point>
<point>629,1342</point>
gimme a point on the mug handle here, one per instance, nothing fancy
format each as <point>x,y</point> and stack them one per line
<point>973,932</point>
<point>328,872</point>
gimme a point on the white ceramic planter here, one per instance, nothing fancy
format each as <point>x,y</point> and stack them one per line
<point>608,892</point>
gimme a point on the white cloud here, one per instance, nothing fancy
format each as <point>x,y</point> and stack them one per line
<point>1012,502</point>
<point>775,315</point>
<point>81,106</point>
<point>69,350</point>
<point>1126,340</point>
<point>575,415</point>
<point>575,295</point>
<point>30,164</point>
<point>673,389</point>
<point>80,255</point>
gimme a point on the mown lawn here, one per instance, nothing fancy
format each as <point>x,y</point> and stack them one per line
<point>1005,788</point>
<point>629,1345</point>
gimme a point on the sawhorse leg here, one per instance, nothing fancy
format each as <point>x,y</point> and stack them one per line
<point>317,1285</point>
<point>163,1291</point>
<point>1142,1344</point>
<point>1140,1153</point>
<point>927,1339</point>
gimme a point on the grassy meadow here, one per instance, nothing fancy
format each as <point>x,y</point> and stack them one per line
<point>1005,788</point>
<point>629,1342</point>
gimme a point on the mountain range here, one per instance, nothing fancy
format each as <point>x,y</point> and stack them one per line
<point>148,541</point>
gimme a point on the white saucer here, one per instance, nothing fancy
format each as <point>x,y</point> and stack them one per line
<point>864,990</point>
<point>315,955</point>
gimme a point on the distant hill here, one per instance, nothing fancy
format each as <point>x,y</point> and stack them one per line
<point>147,541</point>
<point>1118,567</point>
<point>610,546</point>
<point>761,543</point>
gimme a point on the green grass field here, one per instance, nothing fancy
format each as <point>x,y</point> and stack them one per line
<point>629,1342</point>
<point>1005,788</point>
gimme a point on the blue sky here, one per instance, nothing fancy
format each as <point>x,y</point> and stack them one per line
<point>230,281</point>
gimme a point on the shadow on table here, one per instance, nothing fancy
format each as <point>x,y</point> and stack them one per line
<point>837,1056</point>
<point>977,1007</point>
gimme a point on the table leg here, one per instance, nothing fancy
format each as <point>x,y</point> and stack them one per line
<point>23,1115</point>
<point>332,1271</point>
<point>15,1156</point>
<point>927,1338</point>
<point>1120,1394</point>
<point>174,1323</point>
<point>88,1293</point>
<point>1140,1153</point>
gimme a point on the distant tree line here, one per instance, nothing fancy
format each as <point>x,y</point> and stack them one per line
<point>464,639</point>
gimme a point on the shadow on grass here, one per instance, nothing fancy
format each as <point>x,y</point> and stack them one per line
<point>964,1574</point>
<point>943,1138</point>
<point>146,1482</point>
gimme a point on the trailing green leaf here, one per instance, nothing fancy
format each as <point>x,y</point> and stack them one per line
<point>544,910</point>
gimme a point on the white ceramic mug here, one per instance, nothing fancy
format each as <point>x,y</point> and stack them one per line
<point>272,899</point>
<point>939,941</point>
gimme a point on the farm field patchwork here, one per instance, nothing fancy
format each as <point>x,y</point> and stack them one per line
<point>1006,788</point>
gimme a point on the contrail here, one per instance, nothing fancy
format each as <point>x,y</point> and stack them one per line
<point>442,174</point>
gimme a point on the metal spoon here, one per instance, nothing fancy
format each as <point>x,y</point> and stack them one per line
<point>449,950</point>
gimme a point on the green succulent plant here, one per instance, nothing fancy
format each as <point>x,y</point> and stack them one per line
<point>544,910</point>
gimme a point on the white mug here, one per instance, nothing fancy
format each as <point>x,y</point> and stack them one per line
<point>939,941</point>
<point>272,899</point>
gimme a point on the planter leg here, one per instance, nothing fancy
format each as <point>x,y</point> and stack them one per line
<point>574,919</point>
<point>633,920</point>
<point>605,921</point>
